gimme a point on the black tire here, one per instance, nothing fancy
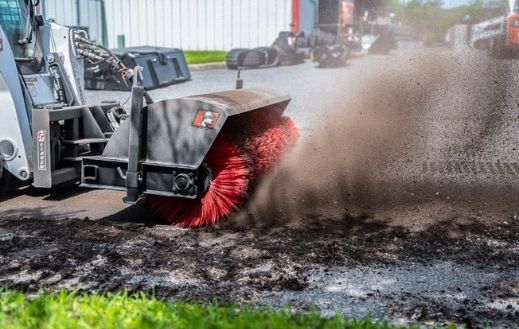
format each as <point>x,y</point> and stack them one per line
<point>245,58</point>
<point>233,58</point>
<point>8,182</point>
<point>271,55</point>
<point>253,59</point>
<point>2,178</point>
<point>331,56</point>
<point>322,56</point>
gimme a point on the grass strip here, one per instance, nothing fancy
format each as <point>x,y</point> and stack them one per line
<point>202,57</point>
<point>121,310</point>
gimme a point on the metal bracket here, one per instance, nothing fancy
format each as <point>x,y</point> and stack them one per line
<point>92,171</point>
<point>133,172</point>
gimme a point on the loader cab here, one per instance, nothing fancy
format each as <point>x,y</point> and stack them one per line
<point>17,19</point>
<point>13,19</point>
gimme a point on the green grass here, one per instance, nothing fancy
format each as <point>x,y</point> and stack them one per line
<point>81,310</point>
<point>201,57</point>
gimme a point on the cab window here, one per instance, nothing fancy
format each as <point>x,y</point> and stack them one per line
<point>13,19</point>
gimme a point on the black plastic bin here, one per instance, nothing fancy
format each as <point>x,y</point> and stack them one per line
<point>162,67</point>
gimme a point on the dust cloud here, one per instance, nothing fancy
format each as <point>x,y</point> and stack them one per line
<point>364,154</point>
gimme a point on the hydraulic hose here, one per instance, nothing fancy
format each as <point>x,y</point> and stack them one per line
<point>90,50</point>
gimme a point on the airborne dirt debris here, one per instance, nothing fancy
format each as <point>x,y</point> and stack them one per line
<point>401,199</point>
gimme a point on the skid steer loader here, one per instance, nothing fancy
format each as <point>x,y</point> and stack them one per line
<point>196,158</point>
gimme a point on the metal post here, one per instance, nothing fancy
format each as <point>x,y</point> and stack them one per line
<point>104,27</point>
<point>295,16</point>
<point>133,173</point>
<point>78,13</point>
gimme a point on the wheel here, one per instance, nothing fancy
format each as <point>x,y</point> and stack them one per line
<point>330,56</point>
<point>7,181</point>
<point>3,183</point>
<point>271,54</point>
<point>253,59</point>
<point>241,58</point>
<point>234,56</point>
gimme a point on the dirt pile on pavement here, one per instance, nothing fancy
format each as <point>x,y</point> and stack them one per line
<point>360,156</point>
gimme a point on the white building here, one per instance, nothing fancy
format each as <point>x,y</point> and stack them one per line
<point>186,24</point>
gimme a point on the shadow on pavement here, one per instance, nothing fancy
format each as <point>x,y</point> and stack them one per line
<point>137,214</point>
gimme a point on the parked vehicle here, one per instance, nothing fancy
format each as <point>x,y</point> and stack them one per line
<point>340,28</point>
<point>498,32</point>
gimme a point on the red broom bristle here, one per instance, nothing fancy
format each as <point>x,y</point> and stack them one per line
<point>246,151</point>
<point>229,184</point>
<point>268,145</point>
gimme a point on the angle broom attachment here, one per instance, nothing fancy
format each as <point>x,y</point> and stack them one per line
<point>245,152</point>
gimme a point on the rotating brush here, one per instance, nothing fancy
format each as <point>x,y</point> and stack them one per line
<point>244,152</point>
<point>230,180</point>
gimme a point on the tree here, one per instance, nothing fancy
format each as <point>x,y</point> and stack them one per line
<point>429,19</point>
